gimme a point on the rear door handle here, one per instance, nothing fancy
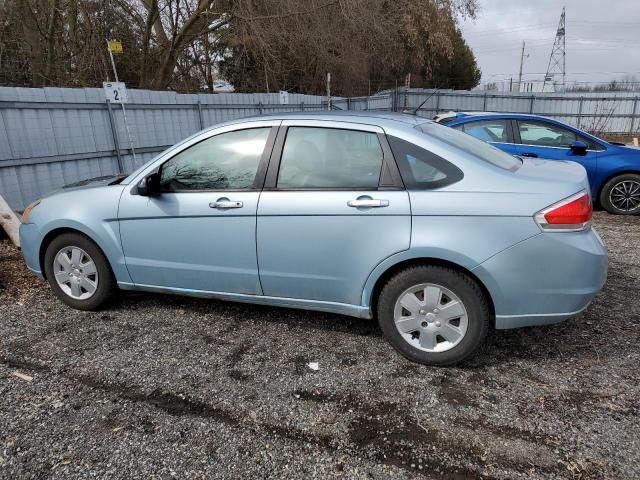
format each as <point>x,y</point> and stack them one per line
<point>368,203</point>
<point>224,203</point>
<point>529,154</point>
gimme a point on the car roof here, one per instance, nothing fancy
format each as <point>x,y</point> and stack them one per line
<point>462,116</point>
<point>376,118</point>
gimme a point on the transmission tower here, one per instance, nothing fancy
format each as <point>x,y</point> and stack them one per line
<point>557,60</point>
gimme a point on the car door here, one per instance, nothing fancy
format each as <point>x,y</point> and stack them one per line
<point>333,207</point>
<point>199,233</point>
<point>540,139</point>
<point>496,131</point>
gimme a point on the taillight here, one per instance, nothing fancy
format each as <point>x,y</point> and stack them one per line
<point>570,215</point>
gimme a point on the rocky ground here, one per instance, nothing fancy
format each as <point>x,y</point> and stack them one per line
<point>167,387</point>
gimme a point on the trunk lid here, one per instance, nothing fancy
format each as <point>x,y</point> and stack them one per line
<point>556,177</point>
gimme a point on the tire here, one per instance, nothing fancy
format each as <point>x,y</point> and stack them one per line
<point>71,279</point>
<point>621,195</point>
<point>427,343</point>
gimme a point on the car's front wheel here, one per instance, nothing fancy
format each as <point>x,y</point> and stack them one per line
<point>621,195</point>
<point>433,315</point>
<point>78,272</point>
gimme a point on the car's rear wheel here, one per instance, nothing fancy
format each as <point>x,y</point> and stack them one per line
<point>621,195</point>
<point>78,272</point>
<point>433,315</point>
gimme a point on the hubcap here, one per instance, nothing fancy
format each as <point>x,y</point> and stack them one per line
<point>625,195</point>
<point>75,273</point>
<point>430,317</point>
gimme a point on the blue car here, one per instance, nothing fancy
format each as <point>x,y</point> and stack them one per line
<point>613,168</point>
<point>436,234</point>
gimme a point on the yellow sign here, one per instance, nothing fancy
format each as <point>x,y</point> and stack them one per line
<point>115,46</point>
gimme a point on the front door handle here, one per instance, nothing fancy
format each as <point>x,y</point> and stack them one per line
<point>367,202</point>
<point>224,203</point>
<point>529,154</point>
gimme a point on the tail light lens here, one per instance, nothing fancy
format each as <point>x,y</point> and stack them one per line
<point>570,215</point>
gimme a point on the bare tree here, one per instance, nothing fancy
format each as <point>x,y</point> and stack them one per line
<point>179,43</point>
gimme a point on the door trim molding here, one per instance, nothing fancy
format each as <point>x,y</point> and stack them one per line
<point>316,305</point>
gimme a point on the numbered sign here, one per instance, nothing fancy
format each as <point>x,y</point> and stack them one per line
<point>115,92</point>
<point>115,46</point>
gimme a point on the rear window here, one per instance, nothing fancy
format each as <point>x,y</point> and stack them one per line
<point>471,145</point>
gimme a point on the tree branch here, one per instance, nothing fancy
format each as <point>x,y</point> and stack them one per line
<point>287,15</point>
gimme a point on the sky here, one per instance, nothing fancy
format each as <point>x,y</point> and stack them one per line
<point>602,38</point>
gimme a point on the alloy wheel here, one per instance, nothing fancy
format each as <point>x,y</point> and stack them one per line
<point>625,195</point>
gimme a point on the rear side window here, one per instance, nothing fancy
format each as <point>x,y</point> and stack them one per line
<point>421,169</point>
<point>330,158</point>
<point>470,145</point>
<point>487,130</point>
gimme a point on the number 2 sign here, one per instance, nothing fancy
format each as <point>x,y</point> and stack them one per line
<point>115,92</point>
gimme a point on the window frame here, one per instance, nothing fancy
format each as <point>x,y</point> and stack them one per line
<point>390,178</point>
<point>259,178</point>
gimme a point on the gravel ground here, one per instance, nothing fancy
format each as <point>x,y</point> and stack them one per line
<point>167,387</point>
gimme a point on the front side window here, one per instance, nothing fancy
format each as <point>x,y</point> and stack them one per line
<point>471,145</point>
<point>487,130</point>
<point>228,161</point>
<point>330,158</point>
<point>420,168</point>
<point>544,134</point>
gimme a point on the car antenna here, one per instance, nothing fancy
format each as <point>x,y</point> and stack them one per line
<point>415,112</point>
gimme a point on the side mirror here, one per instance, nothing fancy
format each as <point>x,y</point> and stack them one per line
<point>578,147</point>
<point>149,186</point>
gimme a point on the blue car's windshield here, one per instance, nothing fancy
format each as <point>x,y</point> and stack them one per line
<point>471,145</point>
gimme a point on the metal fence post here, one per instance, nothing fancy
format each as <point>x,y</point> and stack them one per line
<point>395,98</point>
<point>533,99</point>
<point>580,111</point>
<point>302,106</point>
<point>633,114</point>
<point>114,132</point>
<point>348,103</point>
<point>437,101</point>
<point>200,115</point>
<point>484,103</point>
<point>260,107</point>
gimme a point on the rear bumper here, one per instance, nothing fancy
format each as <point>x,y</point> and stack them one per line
<point>504,322</point>
<point>545,279</point>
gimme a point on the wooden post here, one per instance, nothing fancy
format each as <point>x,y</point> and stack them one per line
<point>9,221</point>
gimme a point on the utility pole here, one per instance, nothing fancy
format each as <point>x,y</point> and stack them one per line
<point>558,59</point>
<point>522,57</point>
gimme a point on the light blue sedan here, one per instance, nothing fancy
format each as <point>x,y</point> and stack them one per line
<point>436,234</point>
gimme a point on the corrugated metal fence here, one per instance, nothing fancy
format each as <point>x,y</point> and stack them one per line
<point>50,137</point>
<point>591,111</point>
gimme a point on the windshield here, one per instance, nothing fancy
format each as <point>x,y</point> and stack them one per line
<point>471,145</point>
